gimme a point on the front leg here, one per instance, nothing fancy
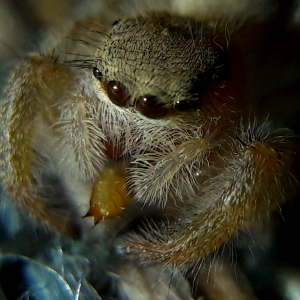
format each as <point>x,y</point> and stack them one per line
<point>252,185</point>
<point>48,126</point>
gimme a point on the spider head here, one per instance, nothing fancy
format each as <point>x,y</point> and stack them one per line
<point>159,66</point>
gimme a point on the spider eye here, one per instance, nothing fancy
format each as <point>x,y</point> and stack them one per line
<point>116,22</point>
<point>182,105</point>
<point>150,107</point>
<point>98,74</point>
<point>118,93</point>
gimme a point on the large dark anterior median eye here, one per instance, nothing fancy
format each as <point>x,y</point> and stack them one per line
<point>150,107</point>
<point>118,93</point>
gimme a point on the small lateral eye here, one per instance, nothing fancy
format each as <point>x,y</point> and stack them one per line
<point>182,105</point>
<point>116,22</point>
<point>150,107</point>
<point>118,93</point>
<point>98,74</point>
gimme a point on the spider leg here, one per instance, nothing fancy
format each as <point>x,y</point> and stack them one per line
<point>33,103</point>
<point>252,185</point>
<point>77,129</point>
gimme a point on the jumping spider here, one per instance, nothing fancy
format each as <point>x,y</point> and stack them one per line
<point>169,99</point>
